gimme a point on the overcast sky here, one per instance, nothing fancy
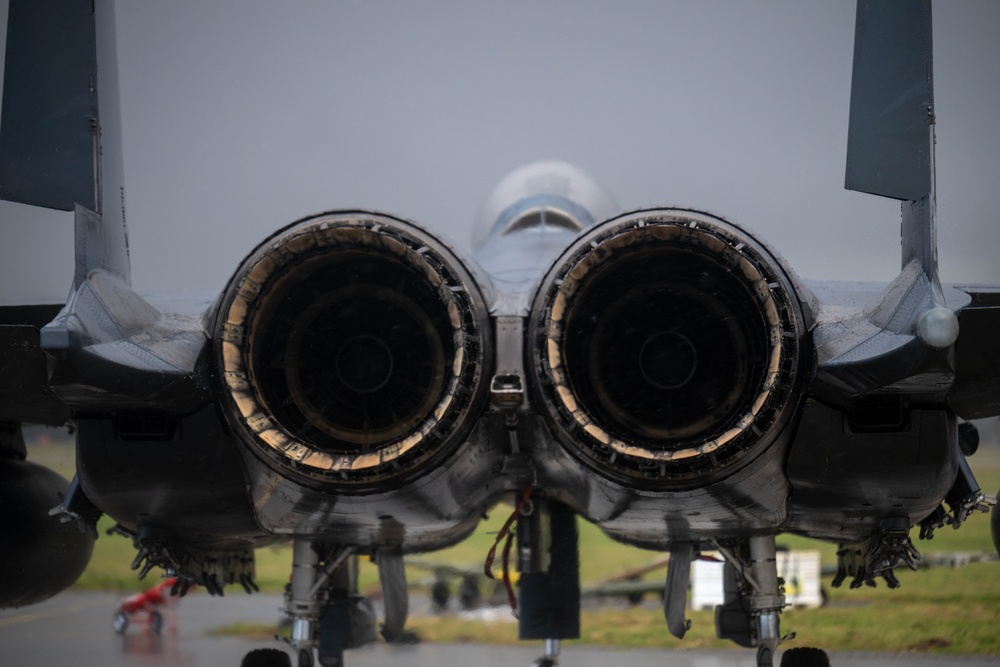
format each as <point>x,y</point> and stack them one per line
<point>240,117</point>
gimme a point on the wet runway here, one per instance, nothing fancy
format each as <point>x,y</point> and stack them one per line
<point>75,629</point>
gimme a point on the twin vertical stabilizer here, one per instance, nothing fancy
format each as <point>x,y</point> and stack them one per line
<point>890,142</point>
<point>60,131</point>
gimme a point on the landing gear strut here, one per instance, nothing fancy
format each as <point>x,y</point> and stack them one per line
<point>754,598</point>
<point>327,614</point>
<point>768,598</point>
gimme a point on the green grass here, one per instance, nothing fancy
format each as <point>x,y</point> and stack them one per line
<point>955,612</point>
<point>895,627</point>
<point>938,610</point>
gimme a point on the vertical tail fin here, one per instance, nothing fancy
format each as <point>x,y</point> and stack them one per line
<point>890,144</point>
<point>60,129</point>
<point>901,340</point>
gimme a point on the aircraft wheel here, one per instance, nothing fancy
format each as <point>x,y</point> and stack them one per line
<point>120,623</point>
<point>266,657</point>
<point>805,657</point>
<point>156,621</point>
<point>634,599</point>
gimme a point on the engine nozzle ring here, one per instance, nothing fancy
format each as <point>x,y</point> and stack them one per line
<point>669,348</point>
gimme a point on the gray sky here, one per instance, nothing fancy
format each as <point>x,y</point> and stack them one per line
<point>242,117</point>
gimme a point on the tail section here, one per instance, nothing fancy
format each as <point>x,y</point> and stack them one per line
<point>890,138</point>
<point>60,137</point>
<point>48,139</point>
<point>890,142</point>
<point>903,338</point>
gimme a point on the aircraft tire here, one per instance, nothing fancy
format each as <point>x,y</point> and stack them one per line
<point>805,657</point>
<point>266,657</point>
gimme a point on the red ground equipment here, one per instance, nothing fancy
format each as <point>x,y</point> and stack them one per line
<point>147,607</point>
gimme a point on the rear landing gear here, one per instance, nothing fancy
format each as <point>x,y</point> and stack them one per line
<point>768,598</point>
<point>327,614</point>
<point>754,598</point>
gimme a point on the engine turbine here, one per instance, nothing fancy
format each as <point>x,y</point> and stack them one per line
<point>667,349</point>
<point>351,349</point>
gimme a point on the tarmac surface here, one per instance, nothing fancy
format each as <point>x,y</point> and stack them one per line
<point>75,629</point>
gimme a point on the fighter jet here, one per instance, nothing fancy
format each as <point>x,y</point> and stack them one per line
<point>360,386</point>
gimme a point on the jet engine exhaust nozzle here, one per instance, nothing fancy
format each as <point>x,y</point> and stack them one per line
<point>351,347</point>
<point>667,348</point>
